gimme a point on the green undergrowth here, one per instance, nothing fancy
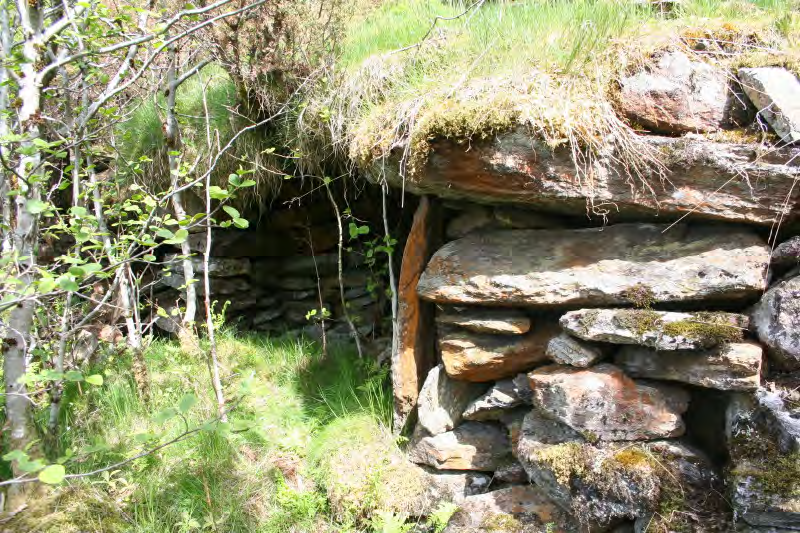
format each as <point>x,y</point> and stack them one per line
<point>297,418</point>
<point>546,66</point>
<point>144,152</point>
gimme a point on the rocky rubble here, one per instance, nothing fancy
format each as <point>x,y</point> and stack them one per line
<point>592,403</point>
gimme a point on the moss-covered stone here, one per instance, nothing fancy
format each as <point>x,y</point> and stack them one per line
<point>639,321</point>
<point>710,328</point>
<point>640,295</point>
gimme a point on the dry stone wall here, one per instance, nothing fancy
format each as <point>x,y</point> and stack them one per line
<point>276,289</point>
<point>576,357</point>
<point>637,376</point>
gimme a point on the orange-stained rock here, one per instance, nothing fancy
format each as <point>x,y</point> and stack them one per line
<point>605,403</point>
<point>481,357</point>
<point>677,95</point>
<point>708,179</point>
<point>415,355</point>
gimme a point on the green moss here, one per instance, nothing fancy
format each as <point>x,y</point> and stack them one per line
<point>502,523</point>
<point>640,321</point>
<point>632,458</point>
<point>640,295</point>
<point>564,461</point>
<point>758,457</point>
<point>711,328</point>
<point>590,436</point>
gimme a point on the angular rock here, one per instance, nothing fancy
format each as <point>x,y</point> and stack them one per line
<point>515,218</point>
<point>471,446</point>
<point>442,400</point>
<point>321,264</point>
<point>220,267</point>
<point>512,473</point>
<point>613,265</point>
<point>447,487</point>
<point>733,366</point>
<point>481,357</point>
<point>763,477</point>
<point>503,395</point>
<point>661,330</point>
<point>486,320</point>
<point>605,403</point>
<point>520,509</point>
<point>775,92</point>
<point>415,354</point>
<point>473,218</point>
<point>706,178</point>
<point>779,407</point>
<point>776,319</point>
<point>608,481</point>
<point>787,254</point>
<point>266,315</point>
<point>567,350</point>
<point>678,95</point>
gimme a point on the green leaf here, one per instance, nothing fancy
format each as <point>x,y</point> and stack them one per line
<point>78,211</point>
<point>218,193</point>
<point>47,284</point>
<point>95,379</point>
<point>187,402</point>
<point>231,211</point>
<point>35,207</point>
<point>164,233</point>
<point>167,414</point>
<point>68,284</point>
<point>53,474</point>
<point>180,236</point>
<point>247,183</point>
<point>77,271</point>
<point>241,223</point>
<point>91,268</point>
<point>73,375</point>
<point>15,455</point>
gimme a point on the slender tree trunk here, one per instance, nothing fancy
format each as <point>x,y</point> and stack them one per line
<point>23,243</point>
<point>173,138</point>
<point>127,299</point>
<point>392,278</point>
<point>5,222</point>
<point>345,312</point>
<point>212,339</point>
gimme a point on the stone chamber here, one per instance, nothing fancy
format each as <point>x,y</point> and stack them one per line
<point>588,357</point>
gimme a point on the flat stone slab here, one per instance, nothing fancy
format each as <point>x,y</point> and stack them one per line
<point>661,330</point>
<point>734,366</point>
<point>705,178</point>
<point>414,354</point>
<point>471,446</point>
<point>776,93</point>
<point>480,357</point>
<point>603,403</point>
<point>442,400</point>
<point>613,265</point>
<point>567,350</point>
<point>503,395</point>
<point>486,320</point>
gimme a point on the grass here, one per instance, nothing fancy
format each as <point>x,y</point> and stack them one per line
<point>269,471</point>
<point>142,147</point>
<point>546,65</point>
